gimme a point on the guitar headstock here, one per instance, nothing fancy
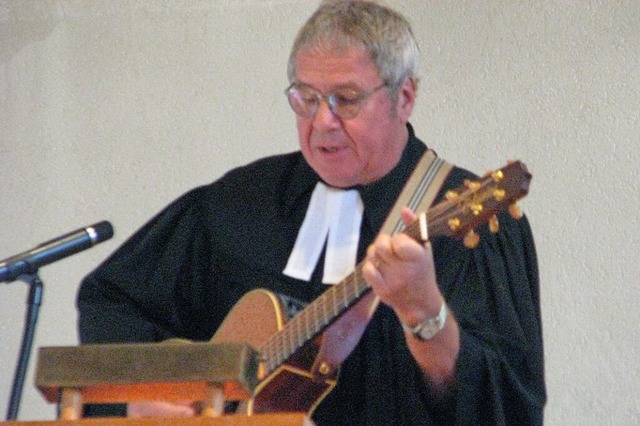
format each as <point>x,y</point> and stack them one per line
<point>478,202</point>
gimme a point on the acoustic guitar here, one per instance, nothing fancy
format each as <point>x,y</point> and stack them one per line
<point>301,357</point>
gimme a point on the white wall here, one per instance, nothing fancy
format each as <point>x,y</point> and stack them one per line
<point>110,109</point>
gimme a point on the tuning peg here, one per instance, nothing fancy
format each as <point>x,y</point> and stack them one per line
<point>450,195</point>
<point>515,211</point>
<point>471,240</point>
<point>494,225</point>
<point>497,176</point>
<point>454,224</point>
<point>476,208</point>
<point>499,194</point>
<point>472,184</point>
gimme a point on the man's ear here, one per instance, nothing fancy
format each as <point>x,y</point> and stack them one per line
<point>406,98</point>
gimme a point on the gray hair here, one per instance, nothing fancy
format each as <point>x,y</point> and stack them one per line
<point>384,34</point>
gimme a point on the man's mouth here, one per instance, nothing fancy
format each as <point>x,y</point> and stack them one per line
<point>330,149</point>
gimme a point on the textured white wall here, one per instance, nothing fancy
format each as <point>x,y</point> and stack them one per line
<point>110,109</point>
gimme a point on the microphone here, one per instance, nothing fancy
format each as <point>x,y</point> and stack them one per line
<point>56,249</point>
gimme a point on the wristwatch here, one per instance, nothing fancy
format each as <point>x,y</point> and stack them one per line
<point>428,328</point>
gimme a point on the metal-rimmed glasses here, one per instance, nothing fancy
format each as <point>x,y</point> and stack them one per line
<point>344,103</point>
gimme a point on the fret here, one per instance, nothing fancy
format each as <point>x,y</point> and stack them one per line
<point>305,314</point>
<point>265,355</point>
<point>291,344</point>
<point>363,286</point>
<point>274,360</point>
<point>350,298</point>
<point>293,338</point>
<point>270,358</point>
<point>360,285</point>
<point>316,327</point>
<point>325,314</point>
<point>301,337</point>
<point>352,294</point>
<point>345,299</point>
<point>281,348</point>
<point>357,283</point>
<point>334,302</point>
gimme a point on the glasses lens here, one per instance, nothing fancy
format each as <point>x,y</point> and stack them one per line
<point>303,101</point>
<point>345,104</point>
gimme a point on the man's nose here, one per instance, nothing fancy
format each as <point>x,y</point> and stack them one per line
<point>324,115</point>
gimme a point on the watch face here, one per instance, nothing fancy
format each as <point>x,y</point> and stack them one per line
<point>429,331</point>
<point>432,326</point>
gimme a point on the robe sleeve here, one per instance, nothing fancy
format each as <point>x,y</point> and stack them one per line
<point>151,288</point>
<point>493,291</point>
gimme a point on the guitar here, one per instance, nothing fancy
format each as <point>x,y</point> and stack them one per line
<point>305,353</point>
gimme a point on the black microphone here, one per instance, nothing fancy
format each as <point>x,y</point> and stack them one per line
<point>56,249</point>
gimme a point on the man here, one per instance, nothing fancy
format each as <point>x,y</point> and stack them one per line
<point>353,74</point>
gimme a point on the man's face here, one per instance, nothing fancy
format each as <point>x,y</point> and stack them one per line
<point>362,149</point>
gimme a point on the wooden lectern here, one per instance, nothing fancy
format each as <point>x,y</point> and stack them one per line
<point>210,374</point>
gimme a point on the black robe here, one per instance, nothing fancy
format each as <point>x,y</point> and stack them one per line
<point>179,275</point>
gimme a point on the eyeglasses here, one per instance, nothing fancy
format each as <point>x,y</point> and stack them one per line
<point>344,103</point>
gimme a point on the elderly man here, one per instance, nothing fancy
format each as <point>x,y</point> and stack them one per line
<point>456,337</point>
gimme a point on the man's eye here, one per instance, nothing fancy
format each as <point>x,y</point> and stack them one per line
<point>308,98</point>
<point>350,98</point>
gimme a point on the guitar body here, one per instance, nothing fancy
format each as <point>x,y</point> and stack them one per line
<point>256,318</point>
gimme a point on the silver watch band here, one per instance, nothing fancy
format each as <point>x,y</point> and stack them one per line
<point>428,328</point>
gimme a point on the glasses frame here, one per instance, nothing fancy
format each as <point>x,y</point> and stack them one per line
<point>330,99</point>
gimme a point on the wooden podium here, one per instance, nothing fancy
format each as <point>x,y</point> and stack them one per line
<point>210,374</point>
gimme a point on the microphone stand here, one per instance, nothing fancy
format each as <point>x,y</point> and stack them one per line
<point>34,302</point>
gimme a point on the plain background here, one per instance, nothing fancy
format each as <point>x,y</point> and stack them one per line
<point>110,109</point>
